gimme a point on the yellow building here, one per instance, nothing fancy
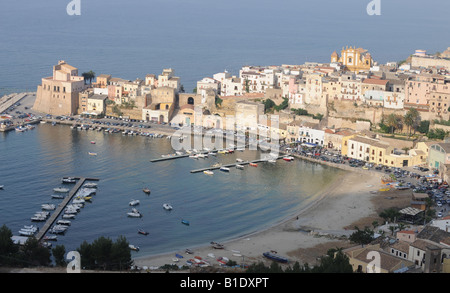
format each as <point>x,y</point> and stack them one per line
<point>354,59</point>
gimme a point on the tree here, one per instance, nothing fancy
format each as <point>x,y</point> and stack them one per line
<point>362,236</point>
<point>390,214</point>
<point>35,254</point>
<point>88,76</point>
<point>424,126</point>
<point>268,105</point>
<point>7,246</point>
<point>412,119</point>
<point>58,254</point>
<point>394,122</point>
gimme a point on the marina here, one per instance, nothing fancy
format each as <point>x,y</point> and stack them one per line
<point>56,213</point>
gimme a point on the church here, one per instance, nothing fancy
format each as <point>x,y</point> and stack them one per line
<point>353,59</point>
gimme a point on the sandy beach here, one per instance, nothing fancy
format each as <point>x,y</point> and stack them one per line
<point>302,238</point>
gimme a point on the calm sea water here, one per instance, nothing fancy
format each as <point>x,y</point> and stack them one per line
<point>219,207</point>
<point>198,38</point>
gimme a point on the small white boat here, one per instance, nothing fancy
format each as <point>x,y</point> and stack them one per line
<point>224,169</point>
<point>134,215</point>
<point>64,222</point>
<point>288,158</point>
<point>272,161</point>
<point>167,206</point>
<point>133,247</point>
<point>208,172</point>
<point>48,207</point>
<point>58,196</point>
<point>78,200</point>
<point>239,167</point>
<point>239,160</point>
<point>1,186</point>
<point>68,216</point>
<point>90,185</point>
<point>69,180</point>
<point>60,189</point>
<point>134,202</point>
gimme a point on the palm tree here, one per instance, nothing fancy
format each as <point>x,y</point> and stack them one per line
<point>412,119</point>
<point>393,122</point>
<point>90,75</point>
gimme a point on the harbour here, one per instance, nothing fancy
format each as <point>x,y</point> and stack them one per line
<point>232,205</point>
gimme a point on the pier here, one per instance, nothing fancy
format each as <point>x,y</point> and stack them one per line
<point>233,165</point>
<point>56,213</point>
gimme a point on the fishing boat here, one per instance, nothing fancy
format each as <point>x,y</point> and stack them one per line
<point>208,172</point>
<point>30,127</point>
<point>21,129</point>
<point>253,164</point>
<point>134,202</point>
<point>239,167</point>
<point>275,257</point>
<point>224,169</point>
<point>92,154</point>
<point>146,190</point>
<point>167,206</point>
<point>288,158</point>
<point>141,231</point>
<point>133,247</point>
<point>185,222</point>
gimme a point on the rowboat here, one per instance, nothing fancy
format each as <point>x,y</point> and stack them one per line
<point>146,190</point>
<point>134,202</point>
<point>167,206</point>
<point>275,257</point>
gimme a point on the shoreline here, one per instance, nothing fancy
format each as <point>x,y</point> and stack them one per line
<point>327,213</point>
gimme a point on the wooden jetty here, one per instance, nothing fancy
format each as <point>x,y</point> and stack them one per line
<point>51,220</point>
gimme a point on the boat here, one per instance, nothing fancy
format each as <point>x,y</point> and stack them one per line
<point>90,185</point>
<point>167,206</point>
<point>223,260</point>
<point>239,167</point>
<point>288,158</point>
<point>174,259</point>
<point>141,231</point>
<point>208,172</point>
<point>385,180</point>
<point>63,222</point>
<point>38,218</point>
<point>134,213</point>
<point>188,251</point>
<point>60,189</point>
<point>58,196</point>
<point>68,216</point>
<point>134,202</point>
<point>21,129</point>
<point>253,164</point>
<point>185,222</point>
<point>1,186</point>
<point>224,169</point>
<point>275,257</point>
<point>92,154</point>
<point>178,255</point>
<point>216,245</point>
<point>133,247</point>
<point>272,161</point>
<point>69,180</point>
<point>92,142</point>
<point>48,207</point>
<point>146,190</point>
<point>78,200</point>
<point>239,160</point>
<point>50,238</point>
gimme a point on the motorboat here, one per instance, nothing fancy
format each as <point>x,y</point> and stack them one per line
<point>185,222</point>
<point>288,158</point>
<point>1,186</point>
<point>253,164</point>
<point>68,216</point>
<point>188,251</point>
<point>134,214</point>
<point>90,185</point>
<point>146,190</point>
<point>21,129</point>
<point>78,200</point>
<point>83,192</point>
<point>58,196</point>
<point>238,166</point>
<point>92,154</point>
<point>167,206</point>
<point>64,222</point>
<point>141,231</point>
<point>69,180</point>
<point>61,189</point>
<point>48,207</point>
<point>134,202</point>
<point>216,245</point>
<point>50,238</point>
<point>272,161</point>
<point>208,172</point>
<point>133,247</point>
<point>92,142</point>
<point>239,160</point>
<point>224,169</point>
<point>38,218</point>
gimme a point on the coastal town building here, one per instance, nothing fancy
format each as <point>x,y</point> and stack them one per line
<point>162,105</point>
<point>168,79</point>
<point>353,59</point>
<point>58,94</point>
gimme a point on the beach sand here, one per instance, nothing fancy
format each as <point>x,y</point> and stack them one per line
<point>342,203</point>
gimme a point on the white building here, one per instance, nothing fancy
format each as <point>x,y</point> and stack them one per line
<point>208,83</point>
<point>311,135</point>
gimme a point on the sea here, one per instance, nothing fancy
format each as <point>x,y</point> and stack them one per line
<point>218,207</point>
<point>198,38</point>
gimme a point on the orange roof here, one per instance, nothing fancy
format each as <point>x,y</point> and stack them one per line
<point>406,232</point>
<point>375,81</point>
